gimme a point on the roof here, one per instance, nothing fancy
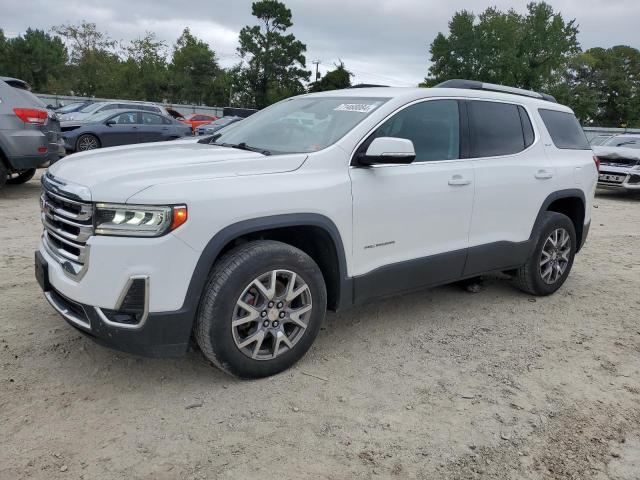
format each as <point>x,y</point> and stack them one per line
<point>416,93</point>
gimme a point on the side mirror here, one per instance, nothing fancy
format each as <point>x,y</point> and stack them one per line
<point>388,150</point>
<point>110,122</point>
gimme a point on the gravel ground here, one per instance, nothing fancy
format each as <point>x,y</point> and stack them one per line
<point>442,384</point>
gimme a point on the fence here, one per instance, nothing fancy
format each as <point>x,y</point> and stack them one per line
<point>59,100</point>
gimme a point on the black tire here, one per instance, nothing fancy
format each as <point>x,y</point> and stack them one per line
<point>529,276</point>
<point>22,177</point>
<point>229,278</point>
<point>4,173</point>
<point>91,140</point>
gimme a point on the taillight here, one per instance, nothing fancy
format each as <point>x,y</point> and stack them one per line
<point>597,162</point>
<point>32,116</point>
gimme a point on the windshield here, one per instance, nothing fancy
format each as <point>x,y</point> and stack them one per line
<point>624,141</point>
<point>300,125</point>
<point>70,107</point>
<point>91,107</point>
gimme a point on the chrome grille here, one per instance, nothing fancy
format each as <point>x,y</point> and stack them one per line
<point>68,224</point>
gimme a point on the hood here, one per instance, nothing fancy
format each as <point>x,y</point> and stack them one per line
<point>115,174</point>
<point>622,156</point>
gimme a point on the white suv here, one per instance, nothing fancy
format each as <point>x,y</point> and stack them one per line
<point>241,241</point>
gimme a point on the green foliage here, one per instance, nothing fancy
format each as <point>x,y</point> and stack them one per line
<point>94,65</point>
<point>193,69</point>
<point>333,80</point>
<point>603,86</point>
<point>508,48</point>
<point>275,62</point>
<point>143,74</point>
<point>36,57</point>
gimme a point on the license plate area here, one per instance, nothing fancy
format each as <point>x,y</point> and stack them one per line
<point>607,177</point>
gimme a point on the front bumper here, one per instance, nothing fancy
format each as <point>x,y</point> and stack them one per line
<point>165,334</point>
<point>630,178</point>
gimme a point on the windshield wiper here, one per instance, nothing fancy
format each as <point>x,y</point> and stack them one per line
<point>242,146</point>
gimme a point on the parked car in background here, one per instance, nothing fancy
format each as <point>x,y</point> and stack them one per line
<point>619,162</point>
<point>600,139</point>
<point>73,107</point>
<point>28,132</point>
<point>213,127</point>
<point>197,119</point>
<point>99,107</point>
<point>109,129</point>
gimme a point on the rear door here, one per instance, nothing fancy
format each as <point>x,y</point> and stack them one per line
<point>123,131</point>
<point>513,178</point>
<point>153,128</point>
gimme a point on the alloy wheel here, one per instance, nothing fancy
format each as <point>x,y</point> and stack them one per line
<point>554,258</point>
<point>271,315</point>
<point>87,143</point>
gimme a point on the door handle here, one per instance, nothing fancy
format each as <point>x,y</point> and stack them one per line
<point>458,180</point>
<point>543,174</point>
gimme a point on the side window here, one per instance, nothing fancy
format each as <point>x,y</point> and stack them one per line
<point>495,129</point>
<point>127,118</point>
<point>151,119</point>
<point>111,106</point>
<point>166,121</point>
<point>527,128</point>
<point>564,129</point>
<point>433,126</point>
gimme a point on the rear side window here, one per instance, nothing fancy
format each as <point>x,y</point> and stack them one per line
<point>527,129</point>
<point>495,129</point>
<point>433,127</point>
<point>565,130</point>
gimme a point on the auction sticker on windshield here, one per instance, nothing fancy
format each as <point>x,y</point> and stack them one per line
<point>356,107</point>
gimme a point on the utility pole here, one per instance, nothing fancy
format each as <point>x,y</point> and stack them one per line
<point>317,63</point>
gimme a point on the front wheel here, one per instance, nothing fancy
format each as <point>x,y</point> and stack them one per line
<point>21,177</point>
<point>261,310</point>
<point>550,263</point>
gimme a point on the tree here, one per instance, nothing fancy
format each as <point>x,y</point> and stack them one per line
<point>193,69</point>
<point>94,64</point>
<point>333,80</point>
<point>527,51</point>
<point>144,72</point>
<point>603,86</point>
<point>36,57</point>
<point>275,62</point>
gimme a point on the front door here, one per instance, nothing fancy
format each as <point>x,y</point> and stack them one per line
<point>411,222</point>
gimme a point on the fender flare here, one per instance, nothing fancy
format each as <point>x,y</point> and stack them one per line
<point>557,195</point>
<point>212,250</point>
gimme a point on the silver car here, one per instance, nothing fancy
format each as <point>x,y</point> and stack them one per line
<point>619,162</point>
<point>29,132</point>
<point>103,107</point>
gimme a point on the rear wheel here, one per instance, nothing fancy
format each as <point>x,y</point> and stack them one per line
<point>87,142</point>
<point>550,263</point>
<point>21,177</point>
<point>261,309</point>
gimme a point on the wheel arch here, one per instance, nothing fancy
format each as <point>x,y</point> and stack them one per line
<point>570,202</point>
<point>314,234</point>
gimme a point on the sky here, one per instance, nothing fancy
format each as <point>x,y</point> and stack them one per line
<point>380,41</point>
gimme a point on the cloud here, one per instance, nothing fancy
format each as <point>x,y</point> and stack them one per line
<point>381,41</point>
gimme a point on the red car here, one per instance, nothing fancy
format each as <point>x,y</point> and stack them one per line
<point>197,119</point>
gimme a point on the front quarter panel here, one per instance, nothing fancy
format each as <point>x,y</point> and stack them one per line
<point>320,186</point>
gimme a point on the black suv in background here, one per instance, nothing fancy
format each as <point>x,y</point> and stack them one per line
<point>29,132</point>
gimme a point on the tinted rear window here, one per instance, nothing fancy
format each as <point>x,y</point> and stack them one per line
<point>27,99</point>
<point>565,130</point>
<point>527,129</point>
<point>496,129</point>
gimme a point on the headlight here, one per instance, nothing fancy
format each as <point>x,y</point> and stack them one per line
<point>138,220</point>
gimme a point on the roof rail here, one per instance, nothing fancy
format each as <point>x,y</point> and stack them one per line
<point>366,85</point>
<point>492,87</point>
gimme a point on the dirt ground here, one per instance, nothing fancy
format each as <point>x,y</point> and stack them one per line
<point>442,384</point>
